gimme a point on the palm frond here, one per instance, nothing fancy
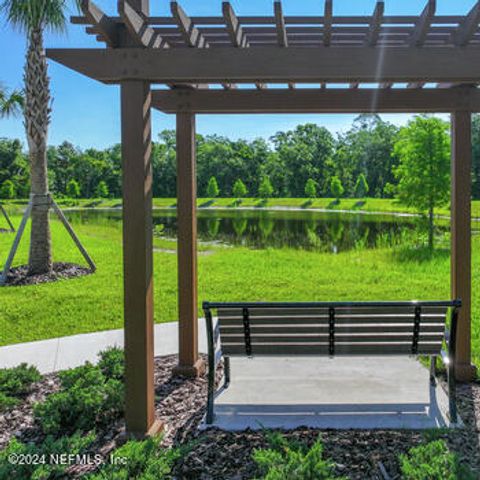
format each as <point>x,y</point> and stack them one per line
<point>11,104</point>
<point>28,15</point>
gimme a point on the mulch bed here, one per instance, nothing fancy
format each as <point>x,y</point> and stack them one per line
<point>219,455</point>
<point>19,276</point>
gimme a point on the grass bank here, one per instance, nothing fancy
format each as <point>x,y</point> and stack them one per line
<point>381,205</point>
<point>94,302</point>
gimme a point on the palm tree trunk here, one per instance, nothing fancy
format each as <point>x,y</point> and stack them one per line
<point>37,118</point>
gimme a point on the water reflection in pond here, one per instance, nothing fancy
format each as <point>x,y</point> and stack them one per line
<point>310,230</point>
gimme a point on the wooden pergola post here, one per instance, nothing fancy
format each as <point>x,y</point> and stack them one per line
<point>189,362</point>
<point>461,255</point>
<point>137,258</point>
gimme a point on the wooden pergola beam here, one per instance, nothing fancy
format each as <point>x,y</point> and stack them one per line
<point>103,24</point>
<point>274,64</point>
<point>138,259</point>
<point>467,29</point>
<point>318,101</point>
<point>189,362</point>
<point>327,23</point>
<point>234,27</point>
<point>280,23</point>
<point>141,34</point>
<point>461,238</point>
<point>423,25</point>
<point>415,85</point>
<point>375,24</point>
<point>191,34</point>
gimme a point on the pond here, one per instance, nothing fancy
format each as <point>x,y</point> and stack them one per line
<point>304,229</point>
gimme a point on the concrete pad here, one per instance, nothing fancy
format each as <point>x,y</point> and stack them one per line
<point>338,393</point>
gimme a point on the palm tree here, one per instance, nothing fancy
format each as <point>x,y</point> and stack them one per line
<point>33,17</point>
<point>10,102</point>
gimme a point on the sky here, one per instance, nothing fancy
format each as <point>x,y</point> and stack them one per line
<point>86,113</point>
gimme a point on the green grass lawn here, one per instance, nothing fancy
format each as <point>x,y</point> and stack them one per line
<point>369,205</point>
<point>94,302</point>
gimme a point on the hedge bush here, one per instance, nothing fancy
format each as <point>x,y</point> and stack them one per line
<point>16,383</point>
<point>293,461</point>
<point>90,396</point>
<point>433,461</point>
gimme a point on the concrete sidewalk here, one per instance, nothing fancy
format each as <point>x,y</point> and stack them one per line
<point>67,352</point>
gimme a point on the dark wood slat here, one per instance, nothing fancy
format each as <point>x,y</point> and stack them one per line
<point>315,328</point>
<point>277,338</point>
<point>294,311</point>
<point>339,320</point>
<point>322,349</point>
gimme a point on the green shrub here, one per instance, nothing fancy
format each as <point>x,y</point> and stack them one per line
<point>15,383</point>
<point>139,460</point>
<point>87,398</point>
<point>44,454</point>
<point>112,363</point>
<point>84,376</point>
<point>7,402</point>
<point>292,461</point>
<point>433,461</point>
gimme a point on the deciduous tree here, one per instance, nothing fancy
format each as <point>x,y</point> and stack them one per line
<point>423,148</point>
<point>212,188</point>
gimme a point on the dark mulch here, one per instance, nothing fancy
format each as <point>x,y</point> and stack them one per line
<point>19,276</point>
<point>218,455</point>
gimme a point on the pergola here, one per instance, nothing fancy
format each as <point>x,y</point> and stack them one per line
<point>203,61</point>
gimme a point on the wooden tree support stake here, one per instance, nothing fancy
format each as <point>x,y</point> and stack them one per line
<point>51,204</point>
<point>69,229</point>
<point>7,218</point>
<point>16,243</point>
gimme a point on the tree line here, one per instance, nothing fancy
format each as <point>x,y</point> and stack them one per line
<point>307,161</point>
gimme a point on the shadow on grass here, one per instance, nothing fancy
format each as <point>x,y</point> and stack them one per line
<point>420,254</point>
<point>359,204</point>
<point>173,205</point>
<point>206,204</point>
<point>117,205</point>
<point>307,204</point>
<point>334,203</point>
<point>236,203</point>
